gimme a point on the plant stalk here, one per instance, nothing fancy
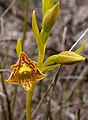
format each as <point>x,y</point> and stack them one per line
<point>31,91</point>
<point>28,102</point>
<point>25,22</point>
<point>14,102</point>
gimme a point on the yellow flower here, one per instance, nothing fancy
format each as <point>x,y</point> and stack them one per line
<point>25,72</point>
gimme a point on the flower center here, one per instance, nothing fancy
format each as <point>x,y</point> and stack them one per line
<point>25,69</point>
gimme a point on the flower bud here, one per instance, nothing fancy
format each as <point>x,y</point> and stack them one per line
<point>50,18</point>
<point>68,57</point>
<point>46,5</point>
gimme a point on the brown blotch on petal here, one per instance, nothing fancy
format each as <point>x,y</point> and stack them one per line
<point>24,58</point>
<point>26,84</point>
<point>39,75</point>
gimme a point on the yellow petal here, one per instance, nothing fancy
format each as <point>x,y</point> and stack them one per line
<point>39,75</point>
<point>27,84</point>
<point>13,66</point>
<point>13,80</point>
<point>24,59</point>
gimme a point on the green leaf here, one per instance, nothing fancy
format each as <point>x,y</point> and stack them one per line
<point>80,49</point>
<point>41,46</point>
<point>36,31</point>
<point>18,47</point>
<point>46,5</point>
<point>50,61</point>
<point>48,68</point>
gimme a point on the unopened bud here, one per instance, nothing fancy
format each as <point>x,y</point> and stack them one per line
<point>68,57</point>
<point>50,18</point>
<point>46,5</point>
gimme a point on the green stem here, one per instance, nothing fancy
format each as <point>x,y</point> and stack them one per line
<point>25,22</point>
<point>31,91</point>
<point>41,57</point>
<point>14,102</point>
<point>28,102</point>
<point>44,35</point>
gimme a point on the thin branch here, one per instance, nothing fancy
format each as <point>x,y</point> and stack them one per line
<point>2,95</point>
<point>2,25</point>
<point>78,40</point>
<point>7,98</point>
<point>25,22</point>
<point>50,86</point>
<point>17,12</point>
<point>7,10</point>
<point>14,102</point>
<point>8,40</point>
<point>76,85</point>
<point>51,92</point>
<point>63,38</point>
<point>5,70</point>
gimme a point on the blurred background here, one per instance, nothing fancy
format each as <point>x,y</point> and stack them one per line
<point>73,80</point>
